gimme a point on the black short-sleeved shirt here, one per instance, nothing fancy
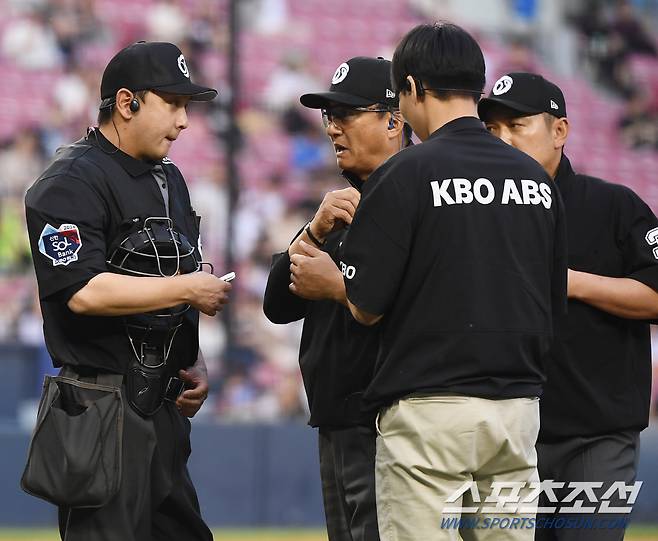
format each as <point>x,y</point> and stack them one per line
<point>86,199</point>
<point>460,243</point>
<point>599,377</point>
<point>336,354</point>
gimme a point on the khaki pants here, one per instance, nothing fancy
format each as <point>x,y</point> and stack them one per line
<point>428,448</point>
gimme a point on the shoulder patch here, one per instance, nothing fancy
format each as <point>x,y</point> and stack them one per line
<point>61,245</point>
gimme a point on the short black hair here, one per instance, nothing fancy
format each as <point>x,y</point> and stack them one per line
<point>439,56</point>
<point>549,119</point>
<point>105,113</point>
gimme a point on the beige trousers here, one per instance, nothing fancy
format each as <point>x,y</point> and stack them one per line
<point>433,448</point>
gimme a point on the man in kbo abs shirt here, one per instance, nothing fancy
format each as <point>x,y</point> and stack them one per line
<point>458,250</point>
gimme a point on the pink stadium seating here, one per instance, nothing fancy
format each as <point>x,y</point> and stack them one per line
<point>328,32</point>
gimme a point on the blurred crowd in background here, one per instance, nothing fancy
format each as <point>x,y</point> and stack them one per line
<point>52,52</point>
<point>614,35</point>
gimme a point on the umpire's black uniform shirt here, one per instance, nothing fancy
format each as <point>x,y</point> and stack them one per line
<point>87,197</point>
<point>460,243</point>
<point>336,354</point>
<point>599,377</point>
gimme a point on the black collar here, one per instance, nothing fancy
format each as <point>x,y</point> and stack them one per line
<point>353,180</point>
<point>564,171</point>
<point>133,166</point>
<point>458,124</point>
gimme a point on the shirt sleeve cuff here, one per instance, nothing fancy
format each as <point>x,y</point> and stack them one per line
<point>64,294</point>
<point>647,276</point>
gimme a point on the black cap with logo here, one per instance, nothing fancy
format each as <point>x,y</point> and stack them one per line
<point>359,82</point>
<point>527,93</point>
<point>151,66</point>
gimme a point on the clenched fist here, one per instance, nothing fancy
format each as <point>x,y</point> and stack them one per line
<point>336,210</point>
<point>314,275</point>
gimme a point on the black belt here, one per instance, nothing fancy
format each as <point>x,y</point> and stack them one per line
<point>172,390</point>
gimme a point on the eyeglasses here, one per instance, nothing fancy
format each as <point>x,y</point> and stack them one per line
<point>340,115</point>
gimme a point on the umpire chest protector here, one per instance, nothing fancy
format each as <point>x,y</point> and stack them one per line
<point>152,248</point>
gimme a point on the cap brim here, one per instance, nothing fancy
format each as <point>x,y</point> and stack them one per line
<point>320,100</point>
<point>485,105</point>
<point>196,92</point>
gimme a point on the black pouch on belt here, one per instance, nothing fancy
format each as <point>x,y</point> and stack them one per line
<point>74,459</point>
<point>145,387</point>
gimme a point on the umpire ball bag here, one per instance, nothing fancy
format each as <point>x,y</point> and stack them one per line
<point>74,459</point>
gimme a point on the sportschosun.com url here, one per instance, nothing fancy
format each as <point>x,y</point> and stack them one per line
<point>558,523</point>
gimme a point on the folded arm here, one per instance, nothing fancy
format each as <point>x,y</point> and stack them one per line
<point>621,297</point>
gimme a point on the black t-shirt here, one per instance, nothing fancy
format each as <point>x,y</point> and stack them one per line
<point>460,243</point>
<point>599,377</point>
<point>336,354</point>
<point>85,200</point>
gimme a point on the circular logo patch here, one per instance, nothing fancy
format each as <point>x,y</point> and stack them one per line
<point>341,73</point>
<point>182,65</point>
<point>503,85</point>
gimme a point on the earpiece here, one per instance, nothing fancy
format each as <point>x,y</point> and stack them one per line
<point>134,105</point>
<point>420,90</point>
<point>391,123</point>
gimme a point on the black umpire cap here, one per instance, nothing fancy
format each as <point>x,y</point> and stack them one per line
<point>527,93</point>
<point>358,82</point>
<point>154,65</point>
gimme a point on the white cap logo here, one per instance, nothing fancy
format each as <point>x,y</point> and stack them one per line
<point>390,93</point>
<point>554,105</point>
<point>341,73</point>
<point>182,65</point>
<point>503,85</point>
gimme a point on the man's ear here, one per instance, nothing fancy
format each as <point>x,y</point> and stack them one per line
<point>123,99</point>
<point>560,132</point>
<point>413,89</point>
<point>395,125</point>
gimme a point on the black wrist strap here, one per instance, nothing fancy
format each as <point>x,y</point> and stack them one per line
<point>311,236</point>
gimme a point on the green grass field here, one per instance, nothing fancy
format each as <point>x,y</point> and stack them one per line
<point>636,533</point>
<point>28,534</point>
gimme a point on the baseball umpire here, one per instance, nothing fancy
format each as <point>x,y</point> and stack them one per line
<point>596,399</point>
<point>458,250</point>
<point>360,114</point>
<point>114,241</point>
